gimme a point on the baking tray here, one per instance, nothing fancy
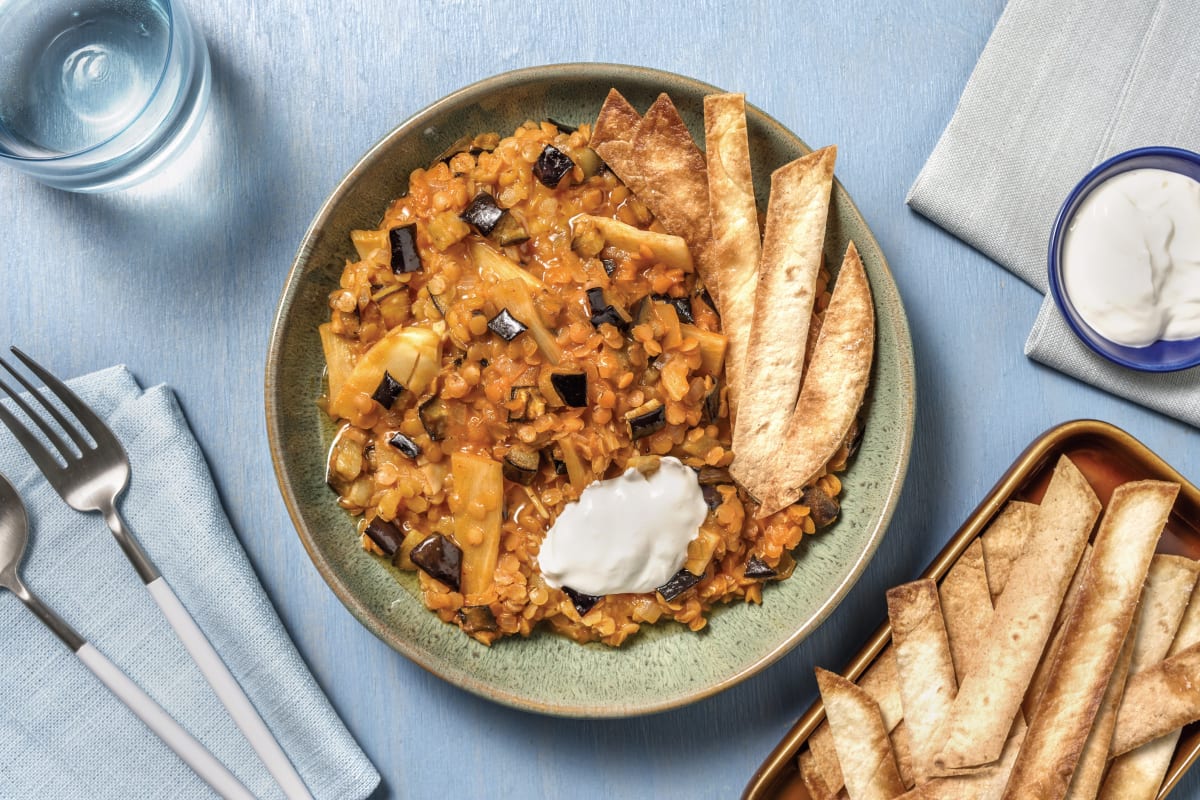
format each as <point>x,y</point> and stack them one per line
<point>1108,457</point>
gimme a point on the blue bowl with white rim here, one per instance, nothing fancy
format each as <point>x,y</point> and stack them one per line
<point>1162,355</point>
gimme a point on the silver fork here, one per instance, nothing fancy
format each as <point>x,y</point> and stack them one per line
<point>14,535</point>
<point>94,475</point>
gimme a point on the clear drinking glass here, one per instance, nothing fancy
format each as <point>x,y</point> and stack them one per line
<point>97,95</point>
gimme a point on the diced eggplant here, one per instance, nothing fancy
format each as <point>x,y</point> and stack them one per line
<point>596,300</point>
<point>712,497</point>
<point>683,306</point>
<point>610,316</point>
<point>712,404</point>
<point>589,161</point>
<point>386,536</point>
<point>610,266</point>
<point>713,476</point>
<point>533,405</point>
<point>787,565</point>
<point>477,619</point>
<point>583,602</point>
<point>552,165</point>
<point>757,569</point>
<point>571,387</point>
<point>439,302</point>
<point>680,582</point>
<point>405,445</point>
<point>521,464</point>
<point>560,466</point>
<point>483,213</point>
<point>646,419</point>
<point>440,559</point>
<point>509,231</point>
<point>387,391</point>
<point>707,298</point>
<point>562,126</point>
<point>506,326</point>
<point>822,508</point>
<point>405,256</point>
<point>587,241</point>
<point>435,416</point>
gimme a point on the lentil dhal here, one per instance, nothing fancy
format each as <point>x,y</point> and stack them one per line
<point>517,327</point>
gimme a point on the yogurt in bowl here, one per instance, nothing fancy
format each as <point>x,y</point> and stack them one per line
<point>1125,259</point>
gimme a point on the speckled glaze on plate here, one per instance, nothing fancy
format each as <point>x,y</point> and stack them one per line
<point>665,665</point>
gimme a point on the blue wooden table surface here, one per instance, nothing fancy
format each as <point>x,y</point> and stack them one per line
<point>179,280</point>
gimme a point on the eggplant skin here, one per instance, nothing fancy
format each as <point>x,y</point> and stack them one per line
<point>758,569</point>
<point>583,602</point>
<point>385,535</point>
<point>440,559</point>
<point>571,387</point>
<point>680,582</point>
<point>388,390</point>
<point>648,421</point>
<point>551,166</point>
<point>405,445</point>
<point>477,619</point>
<point>483,213</point>
<point>405,256</point>
<point>506,326</point>
<point>822,508</point>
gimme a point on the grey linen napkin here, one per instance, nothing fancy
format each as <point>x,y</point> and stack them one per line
<point>63,736</point>
<point>1060,87</point>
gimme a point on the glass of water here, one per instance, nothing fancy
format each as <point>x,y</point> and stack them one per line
<point>97,95</point>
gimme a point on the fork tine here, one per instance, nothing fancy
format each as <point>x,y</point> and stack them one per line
<point>91,423</point>
<point>40,455</point>
<point>83,444</point>
<point>50,433</point>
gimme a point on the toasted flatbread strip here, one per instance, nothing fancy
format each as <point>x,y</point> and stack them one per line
<point>983,784</point>
<point>1093,759</point>
<point>1140,772</point>
<point>902,747</point>
<point>1095,635</point>
<point>989,697</point>
<point>672,180</point>
<point>1003,541</point>
<point>1158,700</point>
<point>1041,676</point>
<point>966,605</point>
<point>927,682</point>
<point>863,747</point>
<point>612,137</point>
<point>833,391</point>
<point>881,681</point>
<point>736,239</point>
<point>812,777</point>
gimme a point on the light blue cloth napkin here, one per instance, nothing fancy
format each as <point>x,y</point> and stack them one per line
<point>62,735</point>
<point>1061,86</point>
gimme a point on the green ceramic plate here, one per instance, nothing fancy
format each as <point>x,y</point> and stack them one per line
<point>664,666</point>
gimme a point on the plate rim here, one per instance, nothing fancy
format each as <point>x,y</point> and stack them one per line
<point>415,122</point>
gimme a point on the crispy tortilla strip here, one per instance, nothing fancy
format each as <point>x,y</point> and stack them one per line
<point>984,784</point>
<point>612,137</point>
<point>1095,635</point>
<point>989,697</point>
<point>863,747</point>
<point>1003,541</point>
<point>833,392</point>
<point>902,747</point>
<point>1041,676</point>
<point>736,238</point>
<point>882,683</point>
<point>813,778</point>
<point>927,682</point>
<point>673,179</point>
<point>1159,700</point>
<point>966,606</point>
<point>1093,759</point>
<point>1140,772</point>
<point>783,304</point>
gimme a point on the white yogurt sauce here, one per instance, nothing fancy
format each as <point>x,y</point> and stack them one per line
<point>1131,258</point>
<point>626,534</point>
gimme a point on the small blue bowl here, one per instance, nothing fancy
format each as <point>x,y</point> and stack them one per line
<point>1162,356</point>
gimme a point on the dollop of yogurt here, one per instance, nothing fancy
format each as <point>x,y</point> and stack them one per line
<point>625,534</point>
<point>1131,258</point>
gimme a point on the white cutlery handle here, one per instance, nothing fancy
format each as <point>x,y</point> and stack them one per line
<point>183,743</point>
<point>228,691</point>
